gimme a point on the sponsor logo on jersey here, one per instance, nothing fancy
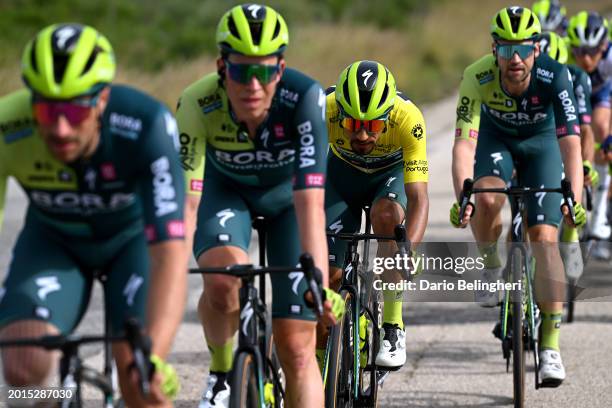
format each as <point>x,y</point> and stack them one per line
<point>315,180</point>
<point>473,134</point>
<point>108,171</point>
<point>535,100</point>
<point>225,139</point>
<point>126,126</point>
<point>577,129</point>
<point>307,148</point>
<point>196,185</point>
<point>568,105</point>
<point>562,131</point>
<point>417,131</point>
<point>289,96</point>
<point>518,118</point>
<point>458,132</point>
<point>485,76</point>
<point>279,131</point>
<point>80,203</point>
<point>545,75</point>
<point>175,229</point>
<point>17,129</point>
<point>164,194</point>
<point>464,110</point>
<point>64,175</point>
<point>257,158</point>
<point>187,151</point>
<point>210,103</point>
<point>416,166</point>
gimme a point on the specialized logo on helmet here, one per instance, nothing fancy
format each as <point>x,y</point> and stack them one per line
<point>255,11</point>
<point>367,76</point>
<point>65,37</point>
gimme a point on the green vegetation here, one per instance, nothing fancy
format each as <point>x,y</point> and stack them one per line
<point>162,46</point>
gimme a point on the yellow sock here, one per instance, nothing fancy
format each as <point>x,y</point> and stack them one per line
<point>221,357</point>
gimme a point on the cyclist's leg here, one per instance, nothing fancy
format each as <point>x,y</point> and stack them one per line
<point>221,239</point>
<point>294,323</point>
<point>43,293</point>
<point>601,128</point>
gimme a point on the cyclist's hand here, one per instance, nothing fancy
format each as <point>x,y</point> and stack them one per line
<point>454,215</point>
<point>169,384</point>
<point>579,212</point>
<point>336,303</point>
<point>592,175</point>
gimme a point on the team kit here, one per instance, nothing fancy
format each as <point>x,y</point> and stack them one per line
<point>125,191</point>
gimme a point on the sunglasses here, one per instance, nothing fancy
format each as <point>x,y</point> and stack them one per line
<point>243,73</point>
<point>47,112</point>
<point>370,126</point>
<point>507,51</point>
<point>582,51</point>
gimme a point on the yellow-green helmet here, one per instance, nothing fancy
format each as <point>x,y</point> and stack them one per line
<point>515,24</point>
<point>554,45</point>
<point>587,29</point>
<point>67,60</point>
<point>550,13</point>
<point>365,90</point>
<point>253,30</point>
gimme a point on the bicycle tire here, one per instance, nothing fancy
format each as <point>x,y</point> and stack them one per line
<point>274,371</point>
<point>338,390</point>
<point>518,346</point>
<point>243,382</point>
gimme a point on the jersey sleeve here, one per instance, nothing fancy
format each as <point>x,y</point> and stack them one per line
<point>192,137</point>
<point>582,91</point>
<point>161,180</point>
<point>564,104</point>
<point>311,140</point>
<point>414,146</point>
<point>468,109</point>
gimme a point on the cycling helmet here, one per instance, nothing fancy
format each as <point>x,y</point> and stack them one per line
<point>550,13</point>
<point>253,30</point>
<point>587,29</point>
<point>67,60</point>
<point>365,90</point>
<point>552,44</point>
<point>515,24</point>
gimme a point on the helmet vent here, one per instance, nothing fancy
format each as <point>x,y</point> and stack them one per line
<point>256,32</point>
<point>514,22</point>
<point>530,22</point>
<point>59,66</point>
<point>498,21</point>
<point>276,29</point>
<point>345,92</point>
<point>91,60</point>
<point>231,25</point>
<point>33,61</point>
<point>383,97</point>
<point>364,100</point>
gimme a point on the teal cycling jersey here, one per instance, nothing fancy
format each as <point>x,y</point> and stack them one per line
<point>582,91</point>
<point>291,143</point>
<point>548,106</point>
<point>132,181</point>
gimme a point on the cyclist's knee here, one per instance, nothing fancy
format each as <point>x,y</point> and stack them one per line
<point>221,292</point>
<point>489,204</point>
<point>25,366</point>
<point>385,215</point>
<point>295,343</point>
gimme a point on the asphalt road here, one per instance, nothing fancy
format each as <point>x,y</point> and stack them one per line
<point>453,359</point>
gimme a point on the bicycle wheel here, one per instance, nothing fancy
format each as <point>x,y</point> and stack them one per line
<point>518,346</point>
<point>339,387</point>
<point>274,376</point>
<point>243,382</point>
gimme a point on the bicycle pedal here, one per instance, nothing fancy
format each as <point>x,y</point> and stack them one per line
<point>381,376</point>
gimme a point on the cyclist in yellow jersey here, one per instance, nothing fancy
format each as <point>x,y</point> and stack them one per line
<point>377,157</point>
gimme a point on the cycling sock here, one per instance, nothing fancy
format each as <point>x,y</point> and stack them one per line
<point>221,357</point>
<point>569,234</point>
<point>551,328</point>
<point>490,255</point>
<point>392,307</point>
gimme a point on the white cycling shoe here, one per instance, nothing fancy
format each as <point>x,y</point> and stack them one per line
<point>552,372</point>
<point>217,392</point>
<point>486,298</point>
<point>392,352</point>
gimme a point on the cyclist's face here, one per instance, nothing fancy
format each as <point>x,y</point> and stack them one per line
<point>516,69</point>
<point>70,138</point>
<point>362,142</point>
<point>588,61</point>
<point>251,100</point>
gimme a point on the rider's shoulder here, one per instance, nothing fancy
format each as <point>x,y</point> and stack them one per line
<point>294,83</point>
<point>16,122</point>
<point>484,67</point>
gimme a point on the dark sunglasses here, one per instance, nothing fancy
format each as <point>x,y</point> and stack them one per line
<point>48,111</point>
<point>582,51</point>
<point>506,51</point>
<point>243,73</point>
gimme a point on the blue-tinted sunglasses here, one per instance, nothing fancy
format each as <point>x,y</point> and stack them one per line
<point>506,51</point>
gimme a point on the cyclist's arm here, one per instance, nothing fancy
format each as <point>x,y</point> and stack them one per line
<point>416,172</point>
<point>466,132</point>
<point>309,175</point>
<point>192,155</point>
<point>163,204</point>
<point>582,91</point>
<point>567,129</point>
